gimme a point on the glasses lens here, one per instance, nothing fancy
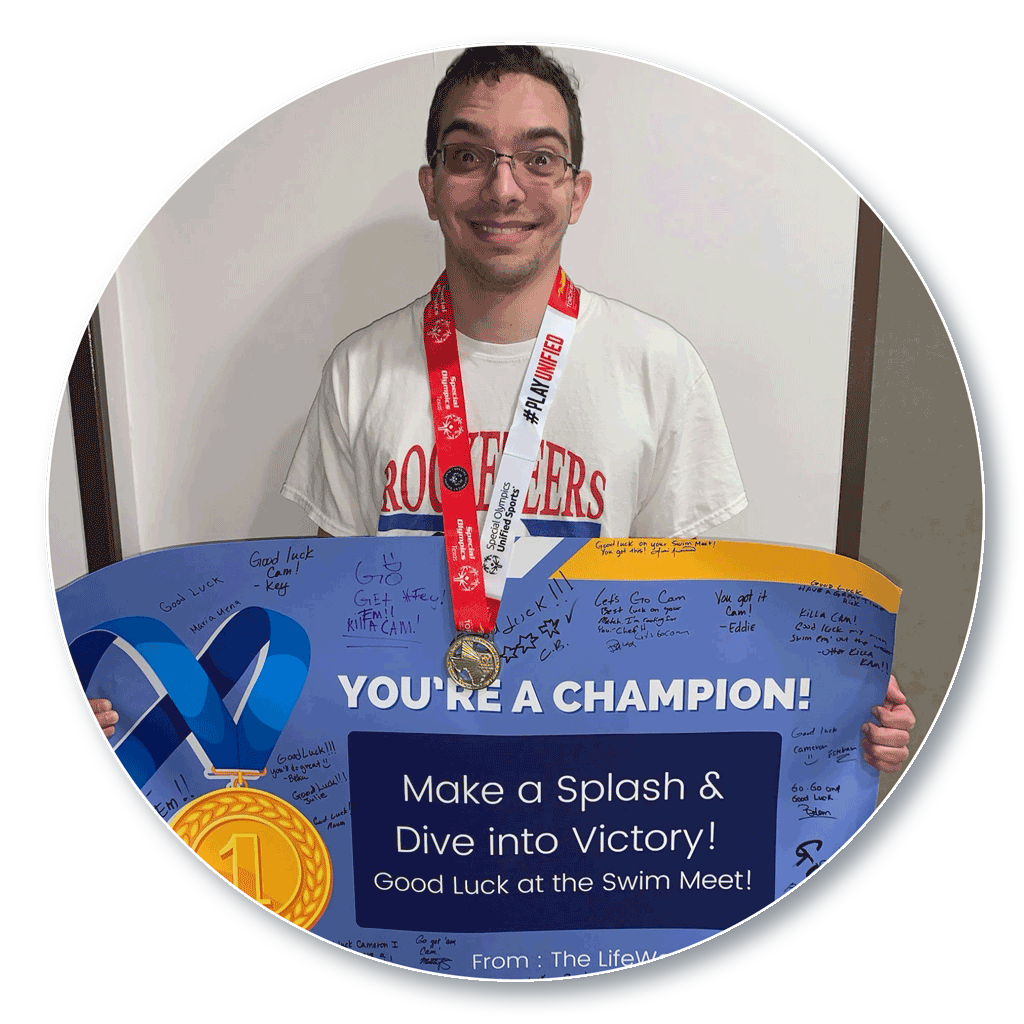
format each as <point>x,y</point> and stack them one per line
<point>540,163</point>
<point>464,158</point>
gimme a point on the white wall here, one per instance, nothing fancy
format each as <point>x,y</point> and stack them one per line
<point>744,240</point>
<point>67,535</point>
<point>311,224</point>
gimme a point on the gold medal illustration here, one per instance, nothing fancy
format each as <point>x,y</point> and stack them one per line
<point>263,846</point>
<point>473,661</point>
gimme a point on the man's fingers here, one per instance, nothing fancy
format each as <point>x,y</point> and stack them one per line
<point>894,695</point>
<point>899,717</point>
<point>105,714</point>
<point>895,713</point>
<point>884,749</point>
<point>885,759</point>
<point>881,737</point>
<point>887,751</point>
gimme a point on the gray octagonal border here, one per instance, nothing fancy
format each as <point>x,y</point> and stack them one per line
<point>946,187</point>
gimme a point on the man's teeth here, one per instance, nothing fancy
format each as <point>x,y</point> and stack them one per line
<point>491,230</point>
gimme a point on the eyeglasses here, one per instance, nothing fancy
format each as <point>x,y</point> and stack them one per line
<point>467,160</point>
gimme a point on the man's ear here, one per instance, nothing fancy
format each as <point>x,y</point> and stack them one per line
<point>580,190</point>
<point>426,179</point>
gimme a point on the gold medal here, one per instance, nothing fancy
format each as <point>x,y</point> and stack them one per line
<point>264,847</point>
<point>473,661</point>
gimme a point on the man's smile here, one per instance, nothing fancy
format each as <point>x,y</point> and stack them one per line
<point>503,231</point>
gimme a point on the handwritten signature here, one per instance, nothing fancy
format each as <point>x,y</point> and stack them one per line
<point>442,963</point>
<point>814,812</point>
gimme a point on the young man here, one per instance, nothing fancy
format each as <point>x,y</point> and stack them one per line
<point>634,443</point>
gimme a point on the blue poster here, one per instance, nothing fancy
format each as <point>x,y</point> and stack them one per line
<point>673,742</point>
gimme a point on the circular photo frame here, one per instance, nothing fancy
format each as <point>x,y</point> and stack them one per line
<point>199,296</point>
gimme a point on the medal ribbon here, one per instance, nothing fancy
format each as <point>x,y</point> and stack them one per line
<point>478,576</point>
<point>195,687</point>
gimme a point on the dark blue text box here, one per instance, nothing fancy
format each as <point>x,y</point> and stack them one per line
<point>522,833</point>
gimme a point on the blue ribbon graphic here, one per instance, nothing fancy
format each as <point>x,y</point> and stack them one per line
<point>196,687</point>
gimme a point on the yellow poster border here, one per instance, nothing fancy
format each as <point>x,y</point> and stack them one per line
<point>648,558</point>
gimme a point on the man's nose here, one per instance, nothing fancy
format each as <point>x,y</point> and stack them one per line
<point>501,185</point>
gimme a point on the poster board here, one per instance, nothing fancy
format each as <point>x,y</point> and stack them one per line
<point>672,745</point>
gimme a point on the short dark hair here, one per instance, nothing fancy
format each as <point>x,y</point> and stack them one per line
<point>489,63</point>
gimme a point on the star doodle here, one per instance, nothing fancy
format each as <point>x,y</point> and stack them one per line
<point>510,653</point>
<point>528,642</point>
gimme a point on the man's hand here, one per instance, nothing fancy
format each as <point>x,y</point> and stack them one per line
<point>105,714</point>
<point>885,744</point>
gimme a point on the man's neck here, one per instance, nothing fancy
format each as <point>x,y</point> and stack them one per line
<point>499,317</point>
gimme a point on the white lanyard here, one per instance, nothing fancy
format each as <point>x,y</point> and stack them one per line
<point>512,478</point>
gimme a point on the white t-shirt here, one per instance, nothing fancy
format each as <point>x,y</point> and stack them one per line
<point>634,444</point>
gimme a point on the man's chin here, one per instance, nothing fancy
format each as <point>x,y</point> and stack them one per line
<point>502,274</point>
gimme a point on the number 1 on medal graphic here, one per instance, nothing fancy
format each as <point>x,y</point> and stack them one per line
<point>264,847</point>
<point>246,865</point>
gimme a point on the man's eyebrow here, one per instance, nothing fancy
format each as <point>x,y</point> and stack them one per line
<point>460,124</point>
<point>546,133</point>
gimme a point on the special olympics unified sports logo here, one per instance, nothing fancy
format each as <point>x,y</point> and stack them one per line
<point>452,426</point>
<point>467,577</point>
<point>455,478</point>
<point>492,563</point>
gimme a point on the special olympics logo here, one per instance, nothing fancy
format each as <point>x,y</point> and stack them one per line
<point>439,333</point>
<point>455,478</point>
<point>492,563</point>
<point>452,426</point>
<point>467,577</point>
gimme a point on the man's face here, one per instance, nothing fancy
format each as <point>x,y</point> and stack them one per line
<point>504,230</point>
